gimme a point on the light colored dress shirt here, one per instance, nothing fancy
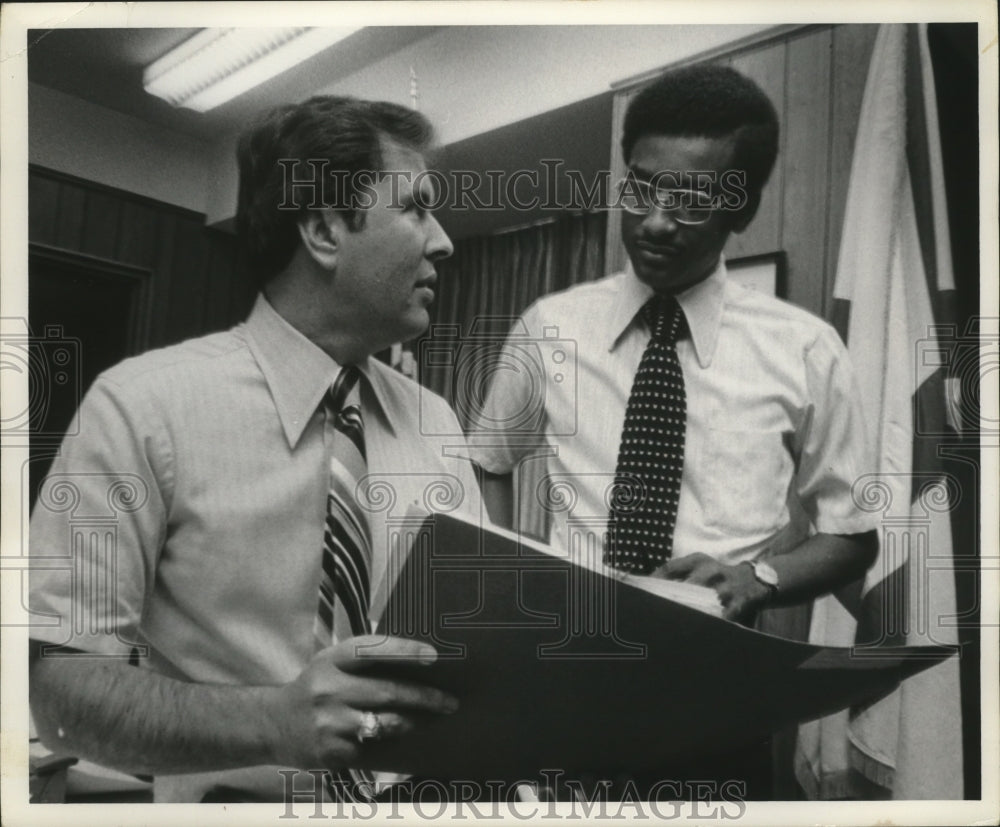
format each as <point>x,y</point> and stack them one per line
<point>772,410</point>
<point>187,515</point>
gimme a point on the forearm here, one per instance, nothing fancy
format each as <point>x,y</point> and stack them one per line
<point>139,721</point>
<point>142,722</point>
<point>821,564</point>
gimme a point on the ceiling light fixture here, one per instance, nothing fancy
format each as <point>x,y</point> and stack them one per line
<point>217,65</point>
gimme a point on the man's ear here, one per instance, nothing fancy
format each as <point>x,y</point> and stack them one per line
<point>322,233</point>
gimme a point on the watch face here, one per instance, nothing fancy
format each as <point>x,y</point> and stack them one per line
<point>766,574</point>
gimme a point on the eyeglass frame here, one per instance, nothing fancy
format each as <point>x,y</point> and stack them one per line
<point>656,201</point>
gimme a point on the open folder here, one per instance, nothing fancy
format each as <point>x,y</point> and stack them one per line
<point>565,666</point>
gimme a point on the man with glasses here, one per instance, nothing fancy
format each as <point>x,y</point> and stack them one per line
<point>695,429</point>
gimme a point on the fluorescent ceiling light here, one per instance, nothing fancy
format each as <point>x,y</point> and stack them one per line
<point>217,65</point>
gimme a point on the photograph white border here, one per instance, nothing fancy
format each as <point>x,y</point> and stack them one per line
<point>18,18</point>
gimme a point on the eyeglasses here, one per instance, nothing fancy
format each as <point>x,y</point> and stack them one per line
<point>685,206</point>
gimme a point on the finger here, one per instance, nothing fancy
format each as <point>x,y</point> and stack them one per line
<point>704,576</point>
<point>377,694</point>
<point>735,610</point>
<point>731,612</point>
<point>679,568</point>
<point>704,572</point>
<point>726,594</point>
<point>676,569</point>
<point>386,725</point>
<point>661,571</point>
<point>358,653</point>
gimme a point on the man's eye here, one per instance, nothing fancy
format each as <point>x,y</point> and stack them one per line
<point>415,205</point>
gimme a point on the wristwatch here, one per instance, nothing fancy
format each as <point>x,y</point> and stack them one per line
<point>765,574</point>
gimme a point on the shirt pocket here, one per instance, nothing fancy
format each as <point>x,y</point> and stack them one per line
<point>747,474</point>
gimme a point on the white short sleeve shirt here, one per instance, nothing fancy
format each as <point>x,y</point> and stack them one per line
<point>774,424</point>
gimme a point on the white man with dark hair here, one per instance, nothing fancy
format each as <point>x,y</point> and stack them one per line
<point>248,568</point>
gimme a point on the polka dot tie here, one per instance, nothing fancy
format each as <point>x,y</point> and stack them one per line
<point>643,507</point>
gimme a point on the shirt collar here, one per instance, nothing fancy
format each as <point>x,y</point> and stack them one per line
<point>702,304</point>
<point>298,373</point>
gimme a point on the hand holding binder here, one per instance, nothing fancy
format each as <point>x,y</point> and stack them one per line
<point>564,666</point>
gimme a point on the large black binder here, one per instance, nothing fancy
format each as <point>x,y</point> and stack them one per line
<point>558,666</point>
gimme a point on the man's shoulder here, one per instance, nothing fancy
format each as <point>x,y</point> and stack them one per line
<point>575,311</point>
<point>394,381</point>
<point>405,396</point>
<point>582,295</point>
<point>188,361</point>
<point>763,312</point>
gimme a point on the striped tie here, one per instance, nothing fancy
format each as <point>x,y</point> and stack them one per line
<point>347,544</point>
<point>651,454</point>
<point>344,588</point>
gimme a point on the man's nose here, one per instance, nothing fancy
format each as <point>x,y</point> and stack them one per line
<point>659,222</point>
<point>438,244</point>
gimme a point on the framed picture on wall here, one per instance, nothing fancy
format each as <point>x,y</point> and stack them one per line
<point>766,272</point>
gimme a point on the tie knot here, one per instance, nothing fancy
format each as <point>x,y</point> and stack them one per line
<point>341,389</point>
<point>665,319</point>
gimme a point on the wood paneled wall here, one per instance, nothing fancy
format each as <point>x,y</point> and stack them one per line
<point>815,77</point>
<point>194,284</point>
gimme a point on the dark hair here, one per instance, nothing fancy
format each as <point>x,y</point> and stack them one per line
<point>343,133</point>
<point>710,101</point>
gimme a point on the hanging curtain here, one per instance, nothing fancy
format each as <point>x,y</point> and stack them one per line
<point>490,280</point>
<point>894,278</point>
<point>482,288</point>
